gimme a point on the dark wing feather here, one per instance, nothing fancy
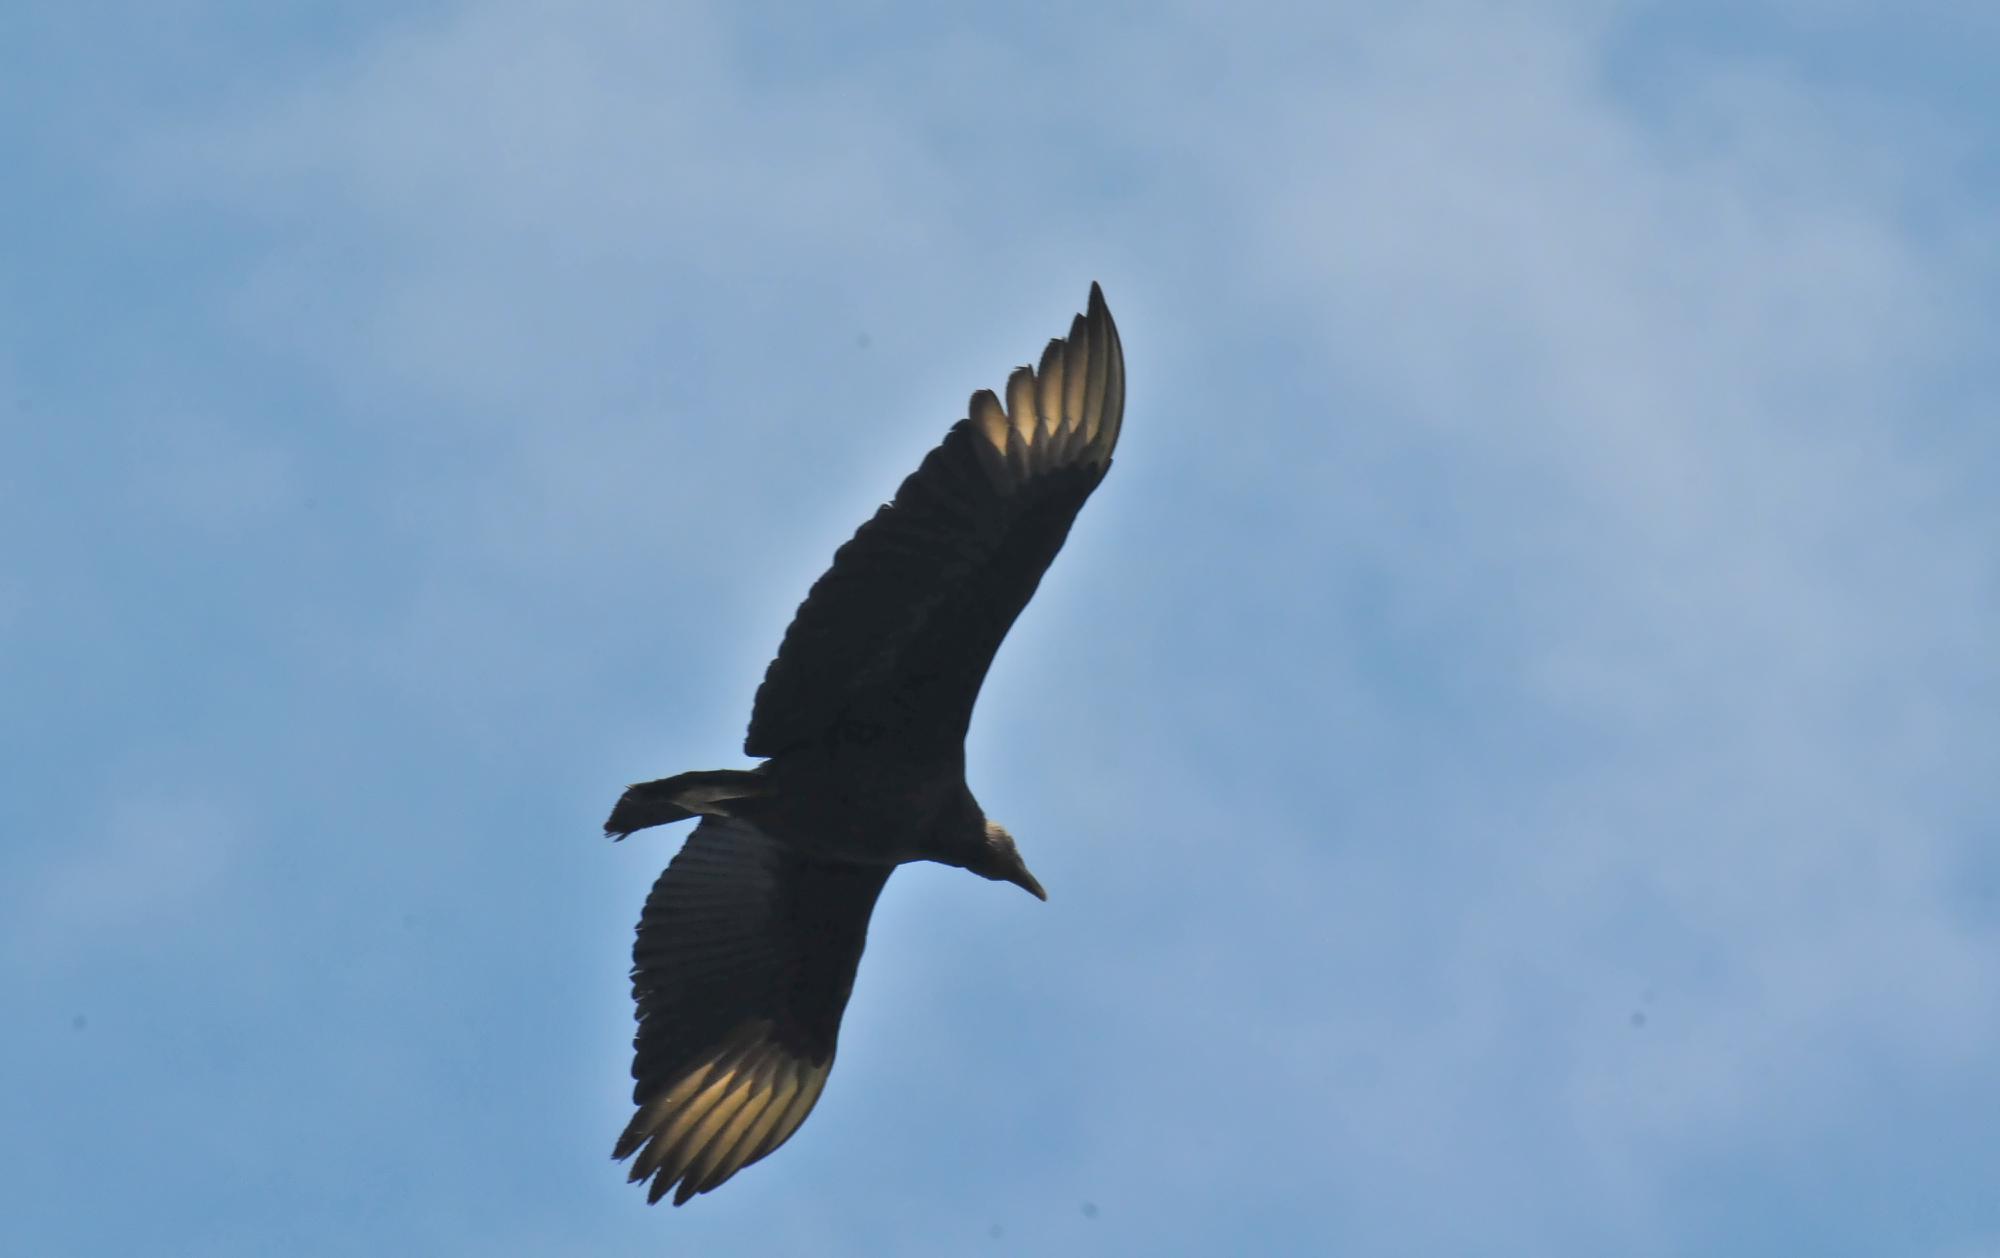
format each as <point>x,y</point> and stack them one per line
<point>895,639</point>
<point>744,962</point>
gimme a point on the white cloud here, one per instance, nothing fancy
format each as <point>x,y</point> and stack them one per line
<point>1672,391</point>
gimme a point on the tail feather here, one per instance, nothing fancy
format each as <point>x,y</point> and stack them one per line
<point>678,798</point>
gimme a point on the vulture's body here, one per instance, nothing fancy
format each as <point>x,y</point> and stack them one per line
<point>749,941</point>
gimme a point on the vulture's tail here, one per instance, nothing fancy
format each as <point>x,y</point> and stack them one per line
<point>680,797</point>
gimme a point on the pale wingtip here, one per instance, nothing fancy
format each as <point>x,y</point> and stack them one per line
<point>1099,312</point>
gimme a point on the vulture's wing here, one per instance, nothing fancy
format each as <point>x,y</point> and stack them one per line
<point>894,640</point>
<point>743,965</point>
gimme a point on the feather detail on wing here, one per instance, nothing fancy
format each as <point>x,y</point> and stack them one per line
<point>895,639</point>
<point>744,962</point>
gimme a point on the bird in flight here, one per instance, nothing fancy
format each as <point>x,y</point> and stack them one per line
<point>748,943</point>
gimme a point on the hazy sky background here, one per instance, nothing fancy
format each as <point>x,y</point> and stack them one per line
<point>1513,747</point>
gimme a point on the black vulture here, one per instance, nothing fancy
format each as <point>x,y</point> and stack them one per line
<point>748,944</point>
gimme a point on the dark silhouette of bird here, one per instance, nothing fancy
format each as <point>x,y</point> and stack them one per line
<point>748,944</point>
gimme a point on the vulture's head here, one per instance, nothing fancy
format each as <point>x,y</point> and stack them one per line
<point>997,858</point>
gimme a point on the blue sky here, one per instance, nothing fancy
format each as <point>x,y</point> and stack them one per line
<point>1510,746</point>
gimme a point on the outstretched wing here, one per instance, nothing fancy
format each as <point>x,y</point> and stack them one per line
<point>895,639</point>
<point>744,962</point>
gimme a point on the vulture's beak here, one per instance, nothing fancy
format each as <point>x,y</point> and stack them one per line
<point>1026,881</point>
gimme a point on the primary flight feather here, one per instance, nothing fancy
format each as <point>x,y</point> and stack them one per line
<point>748,944</point>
